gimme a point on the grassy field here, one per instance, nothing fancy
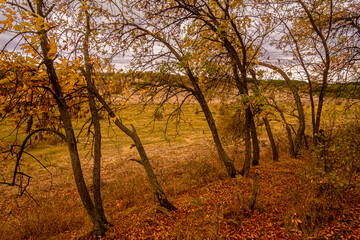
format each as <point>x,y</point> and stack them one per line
<point>211,206</point>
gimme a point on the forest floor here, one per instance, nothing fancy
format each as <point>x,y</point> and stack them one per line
<point>219,209</point>
<point>210,206</point>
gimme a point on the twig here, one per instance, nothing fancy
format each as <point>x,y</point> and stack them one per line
<point>136,160</point>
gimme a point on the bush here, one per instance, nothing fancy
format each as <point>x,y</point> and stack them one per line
<point>337,157</point>
<point>329,176</point>
<point>231,122</point>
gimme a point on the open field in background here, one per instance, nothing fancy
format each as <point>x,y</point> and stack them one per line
<point>185,160</point>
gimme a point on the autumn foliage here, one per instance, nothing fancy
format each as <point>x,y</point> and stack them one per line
<point>232,120</point>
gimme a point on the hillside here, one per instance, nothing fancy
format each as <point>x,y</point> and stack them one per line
<point>295,200</point>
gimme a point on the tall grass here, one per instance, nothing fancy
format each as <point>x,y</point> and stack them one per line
<point>327,180</point>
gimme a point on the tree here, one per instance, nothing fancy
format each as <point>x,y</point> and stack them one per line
<point>93,70</point>
<point>176,50</point>
<point>241,38</point>
<point>265,119</point>
<point>38,23</point>
<point>308,28</point>
<point>346,21</point>
<point>87,72</point>
<point>294,147</point>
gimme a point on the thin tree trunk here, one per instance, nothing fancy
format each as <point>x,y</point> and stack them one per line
<point>288,131</point>
<point>247,137</point>
<point>242,88</point>
<point>74,156</point>
<point>97,159</point>
<point>255,142</point>
<point>267,125</point>
<point>254,192</point>
<point>301,129</point>
<point>271,139</point>
<point>319,110</point>
<point>312,104</point>
<point>240,65</point>
<point>99,228</point>
<point>158,191</point>
<point>229,165</point>
<point>96,124</point>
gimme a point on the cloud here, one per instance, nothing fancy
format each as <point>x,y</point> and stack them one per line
<point>6,37</point>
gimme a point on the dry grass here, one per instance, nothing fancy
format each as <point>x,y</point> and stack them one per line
<point>211,206</point>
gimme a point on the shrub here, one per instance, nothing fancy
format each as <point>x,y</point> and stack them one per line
<point>231,122</point>
<point>337,157</point>
<point>329,176</point>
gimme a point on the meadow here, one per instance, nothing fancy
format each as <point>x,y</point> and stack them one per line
<point>296,200</point>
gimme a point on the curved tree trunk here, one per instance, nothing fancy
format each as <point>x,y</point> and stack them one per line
<point>199,96</point>
<point>301,129</point>
<point>158,191</point>
<point>99,228</point>
<point>229,165</point>
<point>271,139</point>
<point>197,93</point>
<point>99,224</point>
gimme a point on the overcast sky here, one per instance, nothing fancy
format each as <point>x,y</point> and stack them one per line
<point>123,62</point>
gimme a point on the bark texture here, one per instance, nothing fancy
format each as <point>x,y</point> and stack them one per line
<point>271,139</point>
<point>99,227</point>
<point>158,191</point>
<point>96,125</point>
<point>255,192</point>
<point>255,143</point>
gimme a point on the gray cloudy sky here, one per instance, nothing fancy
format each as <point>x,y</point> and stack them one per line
<point>123,62</point>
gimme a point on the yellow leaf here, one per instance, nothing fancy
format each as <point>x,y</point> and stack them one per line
<point>33,39</point>
<point>113,119</point>
<point>118,203</point>
<point>85,5</point>
<point>26,24</point>
<point>18,27</point>
<point>10,11</point>
<point>53,49</point>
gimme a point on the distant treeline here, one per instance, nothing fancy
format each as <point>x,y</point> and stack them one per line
<point>343,90</point>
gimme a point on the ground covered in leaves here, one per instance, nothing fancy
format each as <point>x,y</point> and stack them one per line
<point>219,210</point>
<point>210,205</point>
